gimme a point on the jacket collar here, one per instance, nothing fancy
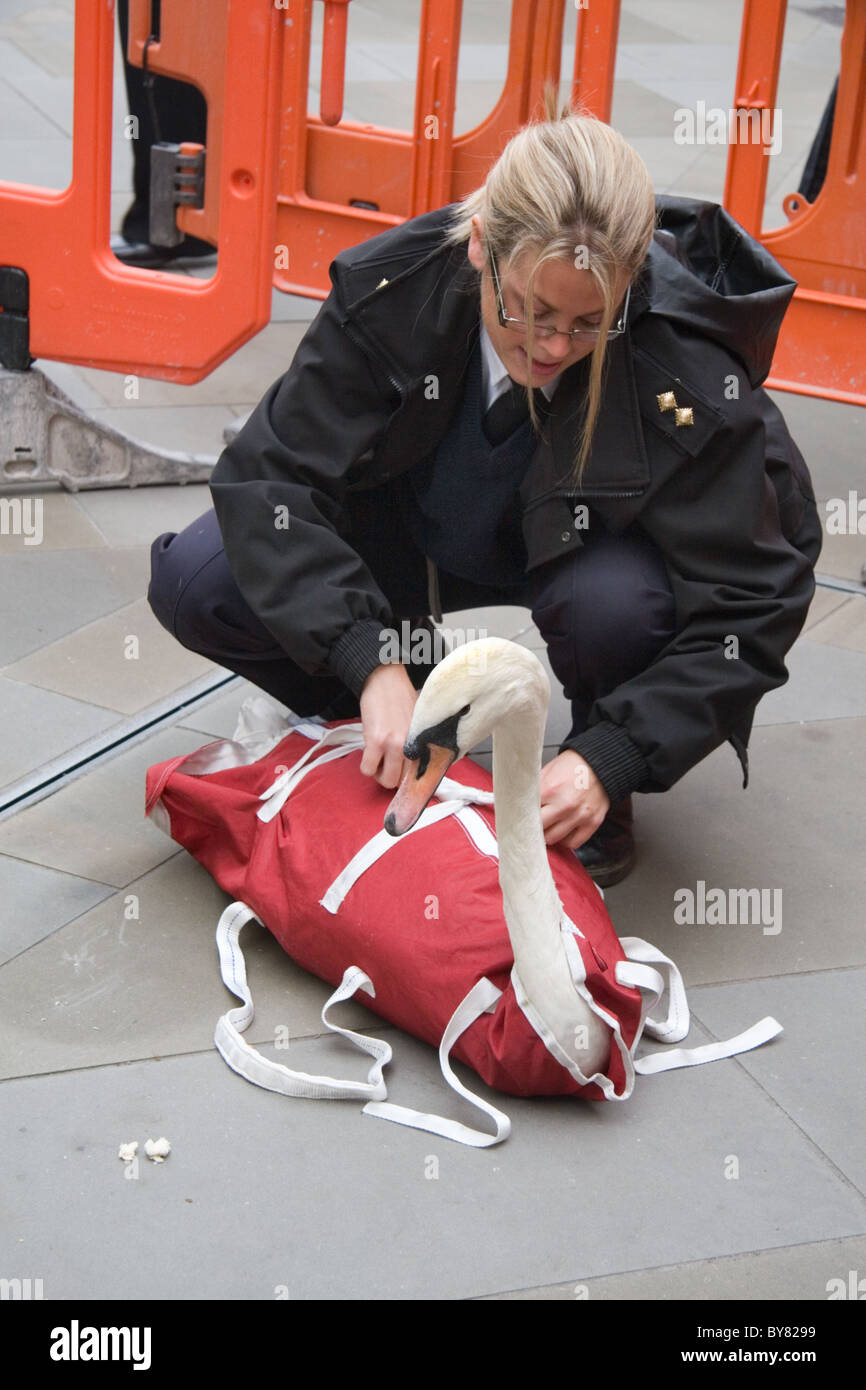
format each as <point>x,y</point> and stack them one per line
<point>425,321</point>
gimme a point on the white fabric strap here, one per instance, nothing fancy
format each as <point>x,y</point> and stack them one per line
<point>481,999</point>
<point>381,842</point>
<point>759,1033</point>
<point>450,790</point>
<point>638,973</point>
<point>345,738</point>
<point>676,1025</point>
<point>273,1076</point>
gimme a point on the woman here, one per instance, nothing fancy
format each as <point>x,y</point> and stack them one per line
<point>548,394</point>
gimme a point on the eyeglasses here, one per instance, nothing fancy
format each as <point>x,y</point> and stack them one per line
<point>544,330</point>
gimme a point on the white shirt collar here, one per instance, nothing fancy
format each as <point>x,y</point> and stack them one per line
<point>495,375</point>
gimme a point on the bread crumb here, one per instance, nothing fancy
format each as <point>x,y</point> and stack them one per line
<point>157,1149</point>
<point>127,1151</point>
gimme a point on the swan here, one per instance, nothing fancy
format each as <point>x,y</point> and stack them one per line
<point>494,686</point>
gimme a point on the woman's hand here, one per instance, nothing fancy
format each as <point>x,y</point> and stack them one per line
<point>387,701</point>
<point>573,801</point>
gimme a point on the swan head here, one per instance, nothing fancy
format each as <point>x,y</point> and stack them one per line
<point>461,702</point>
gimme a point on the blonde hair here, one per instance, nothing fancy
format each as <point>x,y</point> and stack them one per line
<point>565,184</point>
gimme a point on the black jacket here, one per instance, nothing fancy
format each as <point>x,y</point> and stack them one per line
<point>727,499</point>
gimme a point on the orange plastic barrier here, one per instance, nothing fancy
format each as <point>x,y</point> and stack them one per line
<point>287,190</point>
<point>88,308</point>
<point>342,182</point>
<point>821,348</point>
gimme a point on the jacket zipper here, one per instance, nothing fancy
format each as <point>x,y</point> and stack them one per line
<point>581,496</point>
<point>357,339</point>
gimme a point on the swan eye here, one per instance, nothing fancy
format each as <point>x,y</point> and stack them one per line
<point>443,734</point>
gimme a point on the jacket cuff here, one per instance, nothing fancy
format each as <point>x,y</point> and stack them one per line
<point>357,653</point>
<point>616,761</point>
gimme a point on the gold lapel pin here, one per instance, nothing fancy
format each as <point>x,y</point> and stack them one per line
<point>684,413</point>
<point>381,283</point>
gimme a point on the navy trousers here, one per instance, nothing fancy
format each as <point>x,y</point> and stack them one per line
<point>604,610</point>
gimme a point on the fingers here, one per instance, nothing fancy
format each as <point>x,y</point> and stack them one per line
<point>383,759</point>
<point>570,825</point>
<point>387,701</point>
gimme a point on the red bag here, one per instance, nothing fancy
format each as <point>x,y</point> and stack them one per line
<point>295,834</point>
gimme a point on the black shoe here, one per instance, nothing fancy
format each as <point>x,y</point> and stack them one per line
<point>148,257</point>
<point>608,855</point>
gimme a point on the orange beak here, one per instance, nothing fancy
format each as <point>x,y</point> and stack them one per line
<point>415,791</point>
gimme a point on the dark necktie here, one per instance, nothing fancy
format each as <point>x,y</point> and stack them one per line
<point>509,411</point>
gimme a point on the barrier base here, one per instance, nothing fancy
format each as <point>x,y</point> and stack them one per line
<point>47,438</point>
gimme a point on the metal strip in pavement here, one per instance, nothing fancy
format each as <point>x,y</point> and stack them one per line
<point>50,777</point>
<point>847,586</point>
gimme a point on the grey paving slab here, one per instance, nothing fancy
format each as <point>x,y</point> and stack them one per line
<point>125,662</point>
<point>796,833</point>
<point>43,163</point>
<point>71,382</point>
<point>135,517</point>
<point>113,986</point>
<point>843,556</point>
<point>51,96</point>
<point>37,901</point>
<point>636,28</point>
<point>715,25</point>
<point>73,587</point>
<point>389,102</point>
<point>822,1015</point>
<point>242,379</point>
<point>639,111</point>
<point>825,602</point>
<point>197,429</point>
<point>20,120</point>
<point>11,17</point>
<point>95,826</point>
<point>367,63</point>
<point>688,75</point>
<point>800,1273</point>
<point>288,308</point>
<point>824,682</point>
<point>39,725</point>
<point>219,716</point>
<point>845,626</point>
<point>52,50</point>
<point>303,1194</point>
<point>703,177</point>
<point>45,520</point>
<point>369,19</point>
